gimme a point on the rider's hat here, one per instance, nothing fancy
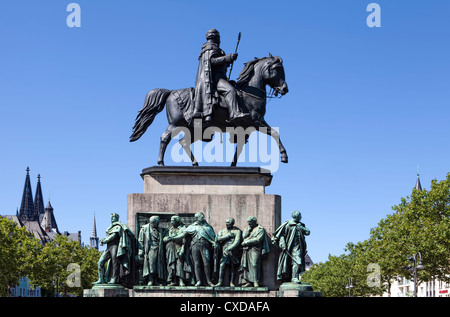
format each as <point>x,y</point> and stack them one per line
<point>212,33</point>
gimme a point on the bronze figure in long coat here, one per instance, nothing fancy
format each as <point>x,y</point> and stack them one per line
<point>255,245</point>
<point>177,254</point>
<point>151,251</point>
<point>290,237</point>
<point>211,80</point>
<point>228,241</point>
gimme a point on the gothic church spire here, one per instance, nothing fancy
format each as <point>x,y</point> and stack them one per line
<point>26,211</point>
<point>418,185</point>
<point>94,238</point>
<point>38,201</point>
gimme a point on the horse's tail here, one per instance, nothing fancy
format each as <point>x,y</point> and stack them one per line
<point>154,104</point>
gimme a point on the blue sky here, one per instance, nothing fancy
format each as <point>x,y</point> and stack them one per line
<point>366,106</point>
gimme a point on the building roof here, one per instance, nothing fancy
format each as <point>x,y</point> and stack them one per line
<point>48,221</point>
<point>418,185</point>
<point>73,236</point>
<point>32,226</point>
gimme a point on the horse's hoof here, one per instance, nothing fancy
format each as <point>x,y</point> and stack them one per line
<point>161,163</point>
<point>195,164</point>
<point>284,159</point>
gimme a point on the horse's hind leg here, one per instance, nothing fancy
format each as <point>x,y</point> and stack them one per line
<point>165,140</point>
<point>186,144</point>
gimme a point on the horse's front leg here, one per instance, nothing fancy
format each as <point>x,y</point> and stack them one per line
<point>239,147</point>
<point>267,129</point>
<point>162,150</point>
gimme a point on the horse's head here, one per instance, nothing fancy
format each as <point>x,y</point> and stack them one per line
<point>273,73</point>
<point>264,71</point>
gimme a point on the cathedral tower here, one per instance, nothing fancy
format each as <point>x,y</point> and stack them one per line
<point>26,211</point>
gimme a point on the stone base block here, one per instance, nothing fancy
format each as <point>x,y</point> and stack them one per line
<point>295,293</point>
<point>218,192</point>
<point>192,291</point>
<point>297,290</point>
<point>106,290</point>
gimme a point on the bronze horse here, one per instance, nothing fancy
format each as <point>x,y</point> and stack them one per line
<point>252,98</point>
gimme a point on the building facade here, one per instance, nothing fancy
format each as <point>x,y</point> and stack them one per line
<point>405,288</point>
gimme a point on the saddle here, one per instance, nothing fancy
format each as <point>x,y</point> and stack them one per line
<point>185,100</point>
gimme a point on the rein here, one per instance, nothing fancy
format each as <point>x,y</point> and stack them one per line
<point>268,95</point>
<point>253,95</point>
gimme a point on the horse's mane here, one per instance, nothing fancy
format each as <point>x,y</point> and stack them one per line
<point>247,71</point>
<point>249,68</point>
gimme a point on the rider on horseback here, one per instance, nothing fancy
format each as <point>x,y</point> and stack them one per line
<point>212,79</point>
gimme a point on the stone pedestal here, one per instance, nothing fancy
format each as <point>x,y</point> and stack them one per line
<point>191,291</point>
<point>218,192</point>
<point>297,290</point>
<point>106,290</point>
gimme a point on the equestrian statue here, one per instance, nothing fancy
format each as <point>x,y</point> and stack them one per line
<point>216,103</point>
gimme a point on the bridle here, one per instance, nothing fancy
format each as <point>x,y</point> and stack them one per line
<point>268,95</point>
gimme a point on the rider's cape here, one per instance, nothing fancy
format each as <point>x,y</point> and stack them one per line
<point>288,230</point>
<point>204,90</point>
<point>124,250</point>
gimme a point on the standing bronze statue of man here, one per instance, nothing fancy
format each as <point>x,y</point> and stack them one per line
<point>177,255</point>
<point>227,244</point>
<point>117,254</point>
<point>152,252</point>
<point>255,245</point>
<point>202,239</point>
<point>290,237</point>
<point>211,79</point>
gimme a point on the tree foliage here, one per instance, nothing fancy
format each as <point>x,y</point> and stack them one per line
<point>18,248</point>
<point>65,266</point>
<point>331,277</point>
<point>61,264</point>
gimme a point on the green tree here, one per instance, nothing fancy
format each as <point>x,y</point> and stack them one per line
<point>421,223</point>
<point>65,267</point>
<point>363,269</point>
<point>331,277</point>
<point>18,250</point>
<point>89,268</point>
<point>384,250</point>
